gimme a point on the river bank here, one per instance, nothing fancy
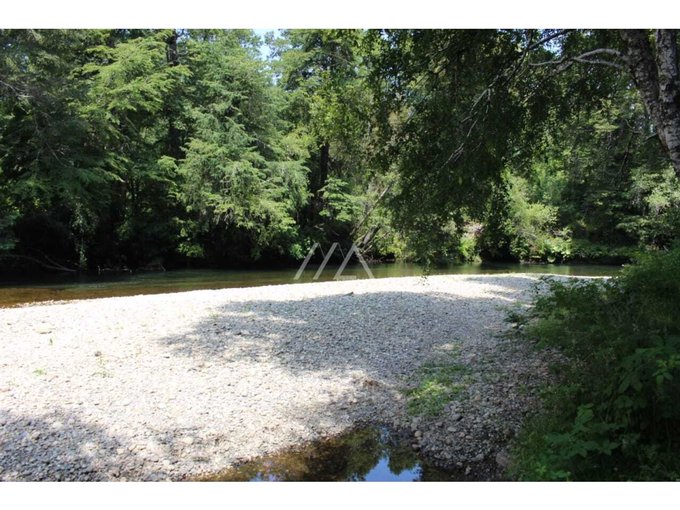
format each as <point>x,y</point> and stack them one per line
<point>178,386</point>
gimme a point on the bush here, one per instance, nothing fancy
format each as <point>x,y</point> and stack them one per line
<point>615,413</point>
<point>586,251</point>
<point>524,229</point>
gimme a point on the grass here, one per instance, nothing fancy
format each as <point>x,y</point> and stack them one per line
<point>102,372</point>
<point>439,384</point>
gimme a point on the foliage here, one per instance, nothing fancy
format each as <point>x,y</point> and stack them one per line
<point>442,126</point>
<point>7,219</point>
<point>241,178</point>
<point>614,413</point>
<point>532,226</point>
<point>595,189</point>
<point>324,76</point>
<point>657,194</point>
<point>122,147</point>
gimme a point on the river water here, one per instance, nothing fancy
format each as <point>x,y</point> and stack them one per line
<point>66,287</point>
<point>369,454</point>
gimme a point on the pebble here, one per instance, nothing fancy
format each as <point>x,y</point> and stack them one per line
<point>262,368</point>
<point>503,459</point>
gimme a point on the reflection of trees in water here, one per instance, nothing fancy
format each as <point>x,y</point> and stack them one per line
<point>351,456</point>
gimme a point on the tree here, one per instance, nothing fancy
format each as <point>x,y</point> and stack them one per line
<point>654,68</point>
<point>55,173</point>
<point>323,76</point>
<point>461,106</point>
<point>242,177</point>
<point>651,56</point>
<point>118,147</point>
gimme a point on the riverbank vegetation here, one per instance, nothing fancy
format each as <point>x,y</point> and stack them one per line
<point>127,149</point>
<point>613,412</point>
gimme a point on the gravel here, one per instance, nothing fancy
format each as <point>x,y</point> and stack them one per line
<point>175,386</point>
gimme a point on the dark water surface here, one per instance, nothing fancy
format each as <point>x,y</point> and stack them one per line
<point>372,454</point>
<point>64,287</point>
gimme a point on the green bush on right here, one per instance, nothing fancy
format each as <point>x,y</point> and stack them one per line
<point>614,413</point>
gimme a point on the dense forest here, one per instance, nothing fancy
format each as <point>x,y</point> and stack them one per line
<point>125,149</point>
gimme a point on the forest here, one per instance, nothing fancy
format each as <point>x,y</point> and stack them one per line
<point>133,150</point>
<point>128,149</point>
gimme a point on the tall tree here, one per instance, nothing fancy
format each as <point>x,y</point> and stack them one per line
<point>324,78</point>
<point>653,63</point>
<point>242,178</point>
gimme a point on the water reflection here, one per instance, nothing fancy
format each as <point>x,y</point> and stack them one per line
<point>60,287</point>
<point>368,454</point>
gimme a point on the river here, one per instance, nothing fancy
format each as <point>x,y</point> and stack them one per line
<point>66,287</point>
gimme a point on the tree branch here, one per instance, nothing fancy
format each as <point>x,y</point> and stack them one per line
<point>585,58</point>
<point>370,210</point>
<point>41,263</point>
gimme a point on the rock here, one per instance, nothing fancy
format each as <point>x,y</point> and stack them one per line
<point>284,380</point>
<point>503,459</point>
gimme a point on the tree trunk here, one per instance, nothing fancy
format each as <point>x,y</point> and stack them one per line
<point>171,51</point>
<point>324,161</point>
<point>655,72</point>
<point>174,135</point>
<point>669,91</point>
<point>318,179</point>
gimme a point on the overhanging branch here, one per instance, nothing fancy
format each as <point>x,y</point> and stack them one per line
<point>587,58</point>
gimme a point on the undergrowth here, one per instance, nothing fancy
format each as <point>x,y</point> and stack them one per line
<point>615,412</point>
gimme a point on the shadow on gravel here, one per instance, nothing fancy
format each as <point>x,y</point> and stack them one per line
<point>382,334</point>
<point>58,447</point>
<point>378,338</point>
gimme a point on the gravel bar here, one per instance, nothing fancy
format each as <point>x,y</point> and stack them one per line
<point>175,386</point>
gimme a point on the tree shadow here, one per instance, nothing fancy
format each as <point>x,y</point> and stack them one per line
<point>369,342</point>
<point>383,335</point>
<point>59,446</point>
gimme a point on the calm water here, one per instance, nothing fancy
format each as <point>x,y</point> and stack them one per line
<point>370,454</point>
<point>83,286</point>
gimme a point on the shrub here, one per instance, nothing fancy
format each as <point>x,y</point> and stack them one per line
<point>615,413</point>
